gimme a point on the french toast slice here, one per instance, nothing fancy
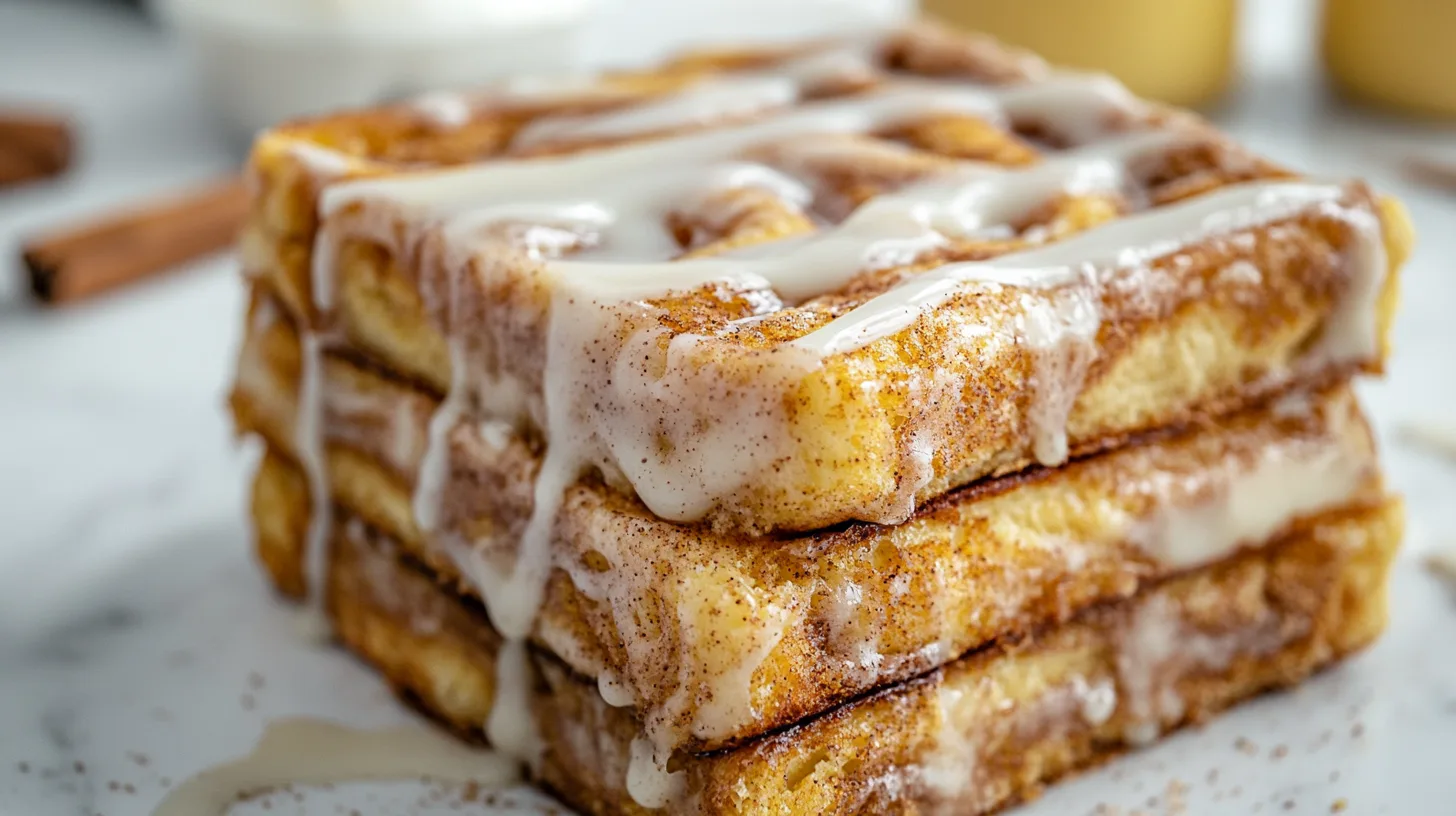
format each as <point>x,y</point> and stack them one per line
<point>718,637</point>
<point>720,348</point>
<point>986,731</point>
<point>879,425</point>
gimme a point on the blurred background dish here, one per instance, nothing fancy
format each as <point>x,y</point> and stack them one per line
<point>1399,54</point>
<point>643,32</point>
<point>1179,52</point>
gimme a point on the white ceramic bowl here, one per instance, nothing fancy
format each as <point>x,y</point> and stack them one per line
<point>263,61</point>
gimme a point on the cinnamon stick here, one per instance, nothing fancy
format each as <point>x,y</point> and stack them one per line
<point>76,263</point>
<point>32,146</point>
<point>1431,172</point>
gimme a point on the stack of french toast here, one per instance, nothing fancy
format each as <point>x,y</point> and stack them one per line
<point>890,424</point>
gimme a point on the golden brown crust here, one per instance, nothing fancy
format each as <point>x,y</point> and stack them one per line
<point>1209,343</point>
<point>919,585</point>
<point>987,731</point>
<point>1191,341</point>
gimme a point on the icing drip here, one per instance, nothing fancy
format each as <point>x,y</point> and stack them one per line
<point>1182,517</point>
<point>887,231</point>
<point>457,190</point>
<point>434,472</point>
<point>326,166</point>
<point>1129,243</point>
<point>729,96</point>
<point>323,163</point>
<point>511,727</point>
<point>693,638</point>
<point>705,101</point>
<point>649,782</point>
<point>613,690</point>
<point>1352,331</point>
<point>1098,699</point>
<point>637,419</point>
<point>1251,503</point>
<point>309,442</point>
<point>1156,649</point>
<point>312,752</point>
<point>1061,331</point>
<point>624,395</point>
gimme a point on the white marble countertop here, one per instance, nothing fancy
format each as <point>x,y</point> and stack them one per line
<point>136,637</point>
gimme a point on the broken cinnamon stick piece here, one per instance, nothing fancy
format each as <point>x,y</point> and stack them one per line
<point>32,146</point>
<point>72,264</point>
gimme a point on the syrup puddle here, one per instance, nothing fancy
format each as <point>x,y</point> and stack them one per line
<point>315,752</point>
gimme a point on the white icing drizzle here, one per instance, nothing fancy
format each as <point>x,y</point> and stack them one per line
<point>309,442</point>
<point>656,612</point>
<point>253,375</point>
<point>847,61</point>
<point>325,164</point>
<point>1193,519</point>
<point>434,473</point>
<point>649,782</point>
<point>1252,503</point>
<point>1127,243</point>
<point>314,752</point>
<point>888,230</point>
<point>616,693</point>
<point>444,109</point>
<point>714,451</point>
<point>511,727</point>
<point>460,189</point>
<point>1352,330</point>
<point>1098,699</point>
<point>614,401</point>
<point>711,99</point>
<point>727,96</point>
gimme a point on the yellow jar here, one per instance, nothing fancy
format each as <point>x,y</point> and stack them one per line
<point>1177,51</point>
<point>1397,53</point>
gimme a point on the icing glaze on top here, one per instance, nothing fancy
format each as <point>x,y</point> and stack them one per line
<point>624,395</point>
